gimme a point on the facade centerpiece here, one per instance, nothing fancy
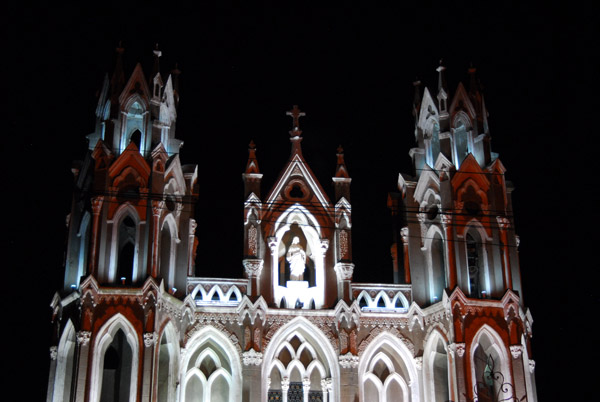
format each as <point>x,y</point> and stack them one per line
<point>134,322</point>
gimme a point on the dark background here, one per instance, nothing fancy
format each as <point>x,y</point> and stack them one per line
<point>350,68</point>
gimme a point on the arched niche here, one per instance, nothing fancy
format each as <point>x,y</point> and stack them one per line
<point>168,359</point>
<point>299,353</point>
<point>477,267</point>
<point>168,250</point>
<point>490,372</point>
<point>134,124</point>
<point>124,246</point>
<point>115,362</point>
<point>437,276</point>
<point>386,371</point>
<point>298,222</point>
<point>211,369</point>
<point>65,365</point>
<point>436,368</point>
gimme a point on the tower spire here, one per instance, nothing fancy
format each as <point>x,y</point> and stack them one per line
<point>156,69</point>
<point>175,74</point>
<point>117,81</point>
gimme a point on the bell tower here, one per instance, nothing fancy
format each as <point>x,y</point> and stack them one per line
<point>131,237</point>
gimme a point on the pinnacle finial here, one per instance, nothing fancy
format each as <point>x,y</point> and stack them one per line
<point>295,113</point>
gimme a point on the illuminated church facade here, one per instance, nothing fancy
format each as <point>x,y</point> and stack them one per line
<point>133,322</point>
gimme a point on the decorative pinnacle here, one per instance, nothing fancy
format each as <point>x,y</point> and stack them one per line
<point>296,114</point>
<point>157,52</point>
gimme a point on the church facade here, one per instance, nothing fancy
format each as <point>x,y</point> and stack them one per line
<point>133,322</point>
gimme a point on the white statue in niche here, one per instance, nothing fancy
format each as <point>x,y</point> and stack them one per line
<point>296,257</point>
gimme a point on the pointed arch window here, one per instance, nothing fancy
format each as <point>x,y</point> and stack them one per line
<point>116,370</point>
<point>438,268</point>
<point>167,366</point>
<point>136,138</point>
<point>126,251</point>
<point>436,372</point>
<point>473,263</point>
<point>461,144</point>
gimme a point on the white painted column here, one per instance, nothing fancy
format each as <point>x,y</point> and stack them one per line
<point>52,375</point>
<point>83,340</point>
<point>149,342</point>
<point>327,387</point>
<point>285,386</point>
<point>305,388</point>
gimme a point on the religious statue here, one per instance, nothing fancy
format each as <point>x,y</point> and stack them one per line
<point>296,257</point>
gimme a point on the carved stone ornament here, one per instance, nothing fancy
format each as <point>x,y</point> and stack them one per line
<point>53,352</point>
<point>150,338</point>
<point>253,267</point>
<point>531,365</point>
<point>324,245</point>
<point>306,384</point>
<point>272,242</point>
<point>285,384</point>
<point>503,222</point>
<point>419,362</point>
<point>348,360</point>
<point>83,337</point>
<point>446,220</point>
<point>404,234</point>
<point>157,208</point>
<point>252,358</point>
<point>327,384</point>
<point>344,271</point>
<point>516,351</point>
<point>193,226</point>
<point>460,349</point>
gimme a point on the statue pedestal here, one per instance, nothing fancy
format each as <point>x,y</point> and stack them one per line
<point>297,290</point>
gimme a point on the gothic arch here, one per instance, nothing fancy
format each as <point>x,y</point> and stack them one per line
<point>305,221</point>
<point>437,273</point>
<point>124,211</point>
<point>488,352</point>
<point>308,355</point>
<point>65,360</point>
<point>168,363</point>
<point>476,245</point>
<point>387,368</point>
<point>168,249</point>
<point>102,342</point>
<point>211,368</point>
<point>83,235</point>
<point>134,113</point>
<point>437,380</point>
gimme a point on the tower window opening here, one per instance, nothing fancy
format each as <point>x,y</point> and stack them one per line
<point>473,264</point>
<point>296,192</point>
<point>126,256</point>
<point>136,138</point>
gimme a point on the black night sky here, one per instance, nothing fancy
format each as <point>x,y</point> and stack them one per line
<point>350,68</point>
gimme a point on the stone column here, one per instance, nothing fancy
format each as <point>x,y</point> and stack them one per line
<point>404,234</point>
<point>305,388</point>
<point>96,210</point>
<point>457,350</point>
<point>285,386</point>
<point>149,342</point>
<point>253,268</point>
<point>52,374</point>
<point>327,387</point>
<point>191,245</point>
<point>504,224</point>
<point>157,208</point>
<point>450,252</point>
<point>344,273</point>
<point>519,372</point>
<point>251,387</point>
<point>83,341</point>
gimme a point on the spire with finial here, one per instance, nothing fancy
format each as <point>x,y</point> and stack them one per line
<point>156,69</point>
<point>341,180</point>
<point>442,89</point>
<point>252,175</point>
<point>341,170</point>
<point>117,81</point>
<point>252,165</point>
<point>417,98</point>
<point>175,74</point>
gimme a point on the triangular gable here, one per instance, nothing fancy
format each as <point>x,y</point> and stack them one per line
<point>497,167</point>
<point>442,164</point>
<point>130,158</point>
<point>428,109</point>
<point>428,179</point>
<point>101,152</point>
<point>175,171</point>
<point>462,96</point>
<point>470,169</point>
<point>298,168</point>
<point>137,84</point>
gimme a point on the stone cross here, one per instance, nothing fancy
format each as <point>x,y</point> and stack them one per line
<point>296,114</point>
